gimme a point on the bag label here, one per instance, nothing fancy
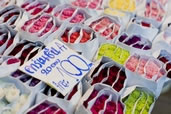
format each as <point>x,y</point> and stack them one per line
<point>58,66</point>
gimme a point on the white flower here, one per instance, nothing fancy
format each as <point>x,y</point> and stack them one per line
<point>11,93</point>
<point>2,93</point>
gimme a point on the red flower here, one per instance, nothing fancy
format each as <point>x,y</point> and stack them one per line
<point>110,108</point>
<point>99,104</point>
<point>93,95</point>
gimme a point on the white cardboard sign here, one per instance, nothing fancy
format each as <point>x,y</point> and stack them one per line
<point>58,66</point>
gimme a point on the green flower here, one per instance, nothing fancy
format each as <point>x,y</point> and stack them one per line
<point>131,100</point>
<point>105,46</point>
<point>112,47</point>
<point>149,102</point>
<point>108,53</point>
<point>136,93</point>
<point>124,57</point>
<point>115,58</point>
<point>118,52</point>
<point>145,111</point>
<point>150,99</point>
<point>141,103</point>
<point>128,111</point>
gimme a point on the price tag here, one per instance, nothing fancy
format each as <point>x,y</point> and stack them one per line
<point>58,66</point>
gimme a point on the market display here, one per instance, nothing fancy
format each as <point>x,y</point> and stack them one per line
<point>105,26</point>
<point>11,15</point>
<point>47,107</point>
<point>165,58</point>
<point>77,34</point>
<point>114,52</point>
<point>147,67</point>
<point>112,75</point>
<point>139,101</point>
<point>83,56</point>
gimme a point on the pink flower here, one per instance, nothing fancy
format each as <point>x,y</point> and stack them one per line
<point>152,69</point>
<point>132,63</point>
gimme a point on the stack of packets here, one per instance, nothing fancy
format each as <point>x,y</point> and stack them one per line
<point>128,42</point>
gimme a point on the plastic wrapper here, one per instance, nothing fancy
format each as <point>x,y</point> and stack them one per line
<point>110,73</point>
<point>10,63</point>
<point>106,27</point>
<point>94,4</point>
<point>169,8</point>
<point>81,39</point>
<point>127,6</point>
<point>138,100</point>
<point>72,97</point>
<point>154,10</point>
<point>123,16</point>
<point>37,7</point>
<point>166,23</point>
<point>114,52</point>
<point>8,38</point>
<point>11,15</point>
<point>24,51</point>
<point>6,3</point>
<point>162,51</point>
<point>47,106</point>
<point>164,37</point>
<point>100,99</point>
<point>135,43</point>
<point>93,7</point>
<point>144,27</point>
<point>57,2</point>
<point>146,66</point>
<point>32,83</point>
<point>165,57</point>
<point>73,15</point>
<point>51,105</point>
<point>77,34</point>
<point>15,97</point>
<point>42,28</point>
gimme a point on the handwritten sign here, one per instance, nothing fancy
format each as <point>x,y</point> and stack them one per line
<point>58,66</point>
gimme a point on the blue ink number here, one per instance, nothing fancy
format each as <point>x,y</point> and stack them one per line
<point>77,67</point>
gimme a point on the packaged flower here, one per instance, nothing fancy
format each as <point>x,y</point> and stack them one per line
<point>154,10</point>
<point>114,52</point>
<point>94,4</point>
<point>24,50</point>
<point>165,57</point>
<point>138,100</point>
<point>80,38</point>
<point>11,15</point>
<point>9,38</point>
<point>100,99</point>
<point>109,73</point>
<point>105,26</point>
<point>127,6</point>
<point>47,107</point>
<point>145,66</point>
<point>73,15</point>
<point>36,7</point>
<point>15,97</point>
<point>42,28</point>
<point>30,82</point>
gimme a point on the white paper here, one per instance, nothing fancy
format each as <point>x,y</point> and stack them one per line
<point>58,66</point>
